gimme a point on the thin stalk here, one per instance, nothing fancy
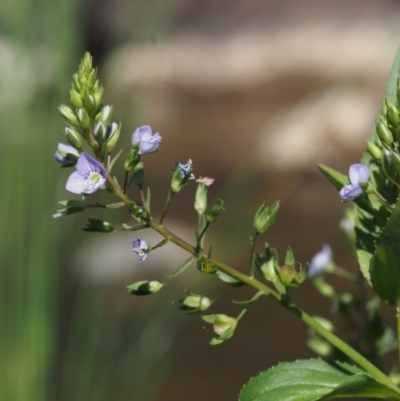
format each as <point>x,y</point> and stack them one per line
<point>142,197</point>
<point>252,256</point>
<point>167,203</point>
<point>383,201</point>
<point>398,327</point>
<point>125,184</point>
<point>160,244</point>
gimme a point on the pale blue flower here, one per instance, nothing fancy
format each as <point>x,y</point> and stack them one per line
<point>140,248</point>
<point>184,168</point>
<point>148,142</point>
<point>66,155</point>
<point>320,261</point>
<point>90,175</point>
<point>358,173</point>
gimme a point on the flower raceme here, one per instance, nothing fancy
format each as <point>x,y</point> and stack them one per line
<point>358,173</point>
<point>149,142</point>
<point>90,175</point>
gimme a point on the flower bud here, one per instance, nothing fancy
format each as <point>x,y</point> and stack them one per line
<point>75,82</point>
<point>290,277</point>
<point>91,79</point>
<point>84,119</point>
<point>392,112</point>
<point>70,207</point>
<point>89,104</point>
<point>100,132</point>
<point>180,175</point>
<point>265,217</point>
<point>200,202</point>
<point>105,115</point>
<point>374,150</point>
<point>145,287</point>
<point>324,288</point>
<point>66,155</point>
<point>212,215</point>
<point>97,225</point>
<point>75,98</point>
<point>68,114</point>
<point>391,160</point>
<point>224,326</point>
<point>86,64</point>
<point>194,303</point>
<point>73,137</point>
<point>133,159</point>
<point>98,97</point>
<point>113,135</point>
<point>384,133</point>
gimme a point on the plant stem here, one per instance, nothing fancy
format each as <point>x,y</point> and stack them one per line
<point>252,256</point>
<point>252,282</point>
<point>398,327</point>
<point>167,203</point>
<point>124,185</point>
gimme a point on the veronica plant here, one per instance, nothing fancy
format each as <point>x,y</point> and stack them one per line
<point>371,226</point>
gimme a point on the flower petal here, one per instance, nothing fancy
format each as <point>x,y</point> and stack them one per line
<point>350,192</point>
<point>320,261</point>
<point>76,183</point>
<point>359,173</point>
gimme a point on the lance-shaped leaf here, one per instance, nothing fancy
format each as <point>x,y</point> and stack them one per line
<point>70,207</point>
<point>314,380</point>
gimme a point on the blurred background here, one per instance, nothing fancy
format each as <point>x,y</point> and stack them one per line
<point>256,92</point>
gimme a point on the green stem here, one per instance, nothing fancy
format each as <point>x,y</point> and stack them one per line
<point>253,256</point>
<point>167,203</point>
<point>398,327</point>
<point>383,201</point>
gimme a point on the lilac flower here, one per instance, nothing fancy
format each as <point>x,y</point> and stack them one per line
<point>358,173</point>
<point>66,155</point>
<point>320,261</point>
<point>89,177</point>
<point>148,142</point>
<point>141,248</point>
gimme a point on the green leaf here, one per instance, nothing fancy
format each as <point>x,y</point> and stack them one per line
<point>228,279</point>
<point>115,159</point>
<point>313,380</point>
<point>182,268</point>
<point>289,258</point>
<point>335,177</point>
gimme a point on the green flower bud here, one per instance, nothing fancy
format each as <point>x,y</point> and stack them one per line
<point>100,132</point>
<point>70,207</point>
<point>194,303</point>
<point>73,137</point>
<point>75,83</point>
<point>68,114</point>
<point>224,326</point>
<point>265,217</point>
<point>113,135</point>
<point>324,288</point>
<point>392,112</point>
<point>86,64</point>
<point>136,210</point>
<point>145,287</point>
<point>105,115</point>
<point>133,158</point>
<point>84,119</point>
<point>98,97</point>
<point>97,225</point>
<point>212,215</point>
<point>89,104</point>
<point>91,79</point>
<point>75,98</point>
<point>384,134</point>
<point>374,150</point>
<point>180,175</point>
<point>200,202</point>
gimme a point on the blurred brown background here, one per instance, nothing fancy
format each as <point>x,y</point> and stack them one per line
<point>256,93</point>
